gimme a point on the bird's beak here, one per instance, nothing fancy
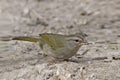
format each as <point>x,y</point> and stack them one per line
<point>85,43</point>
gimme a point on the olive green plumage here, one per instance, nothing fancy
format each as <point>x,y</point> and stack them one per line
<point>57,45</point>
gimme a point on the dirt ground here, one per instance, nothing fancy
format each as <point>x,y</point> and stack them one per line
<point>99,19</point>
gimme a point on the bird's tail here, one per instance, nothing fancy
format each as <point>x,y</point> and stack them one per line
<point>21,38</point>
<point>30,39</point>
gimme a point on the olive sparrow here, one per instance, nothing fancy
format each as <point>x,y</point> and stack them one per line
<point>56,45</point>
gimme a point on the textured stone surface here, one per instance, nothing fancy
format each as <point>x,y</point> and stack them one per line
<point>99,19</point>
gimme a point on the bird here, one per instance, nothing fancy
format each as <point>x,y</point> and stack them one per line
<point>57,46</point>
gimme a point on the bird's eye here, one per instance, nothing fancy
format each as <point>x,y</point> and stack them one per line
<point>76,40</point>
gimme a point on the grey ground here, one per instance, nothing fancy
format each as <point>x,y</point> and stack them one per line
<point>99,19</point>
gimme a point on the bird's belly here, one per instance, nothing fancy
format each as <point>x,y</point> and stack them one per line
<point>60,53</point>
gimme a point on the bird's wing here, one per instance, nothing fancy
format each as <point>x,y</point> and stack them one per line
<point>53,40</point>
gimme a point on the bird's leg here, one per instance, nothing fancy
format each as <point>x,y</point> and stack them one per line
<point>81,55</point>
<point>71,60</point>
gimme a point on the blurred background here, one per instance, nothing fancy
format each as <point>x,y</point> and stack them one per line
<point>98,19</point>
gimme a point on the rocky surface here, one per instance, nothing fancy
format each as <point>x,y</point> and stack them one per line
<point>99,19</point>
